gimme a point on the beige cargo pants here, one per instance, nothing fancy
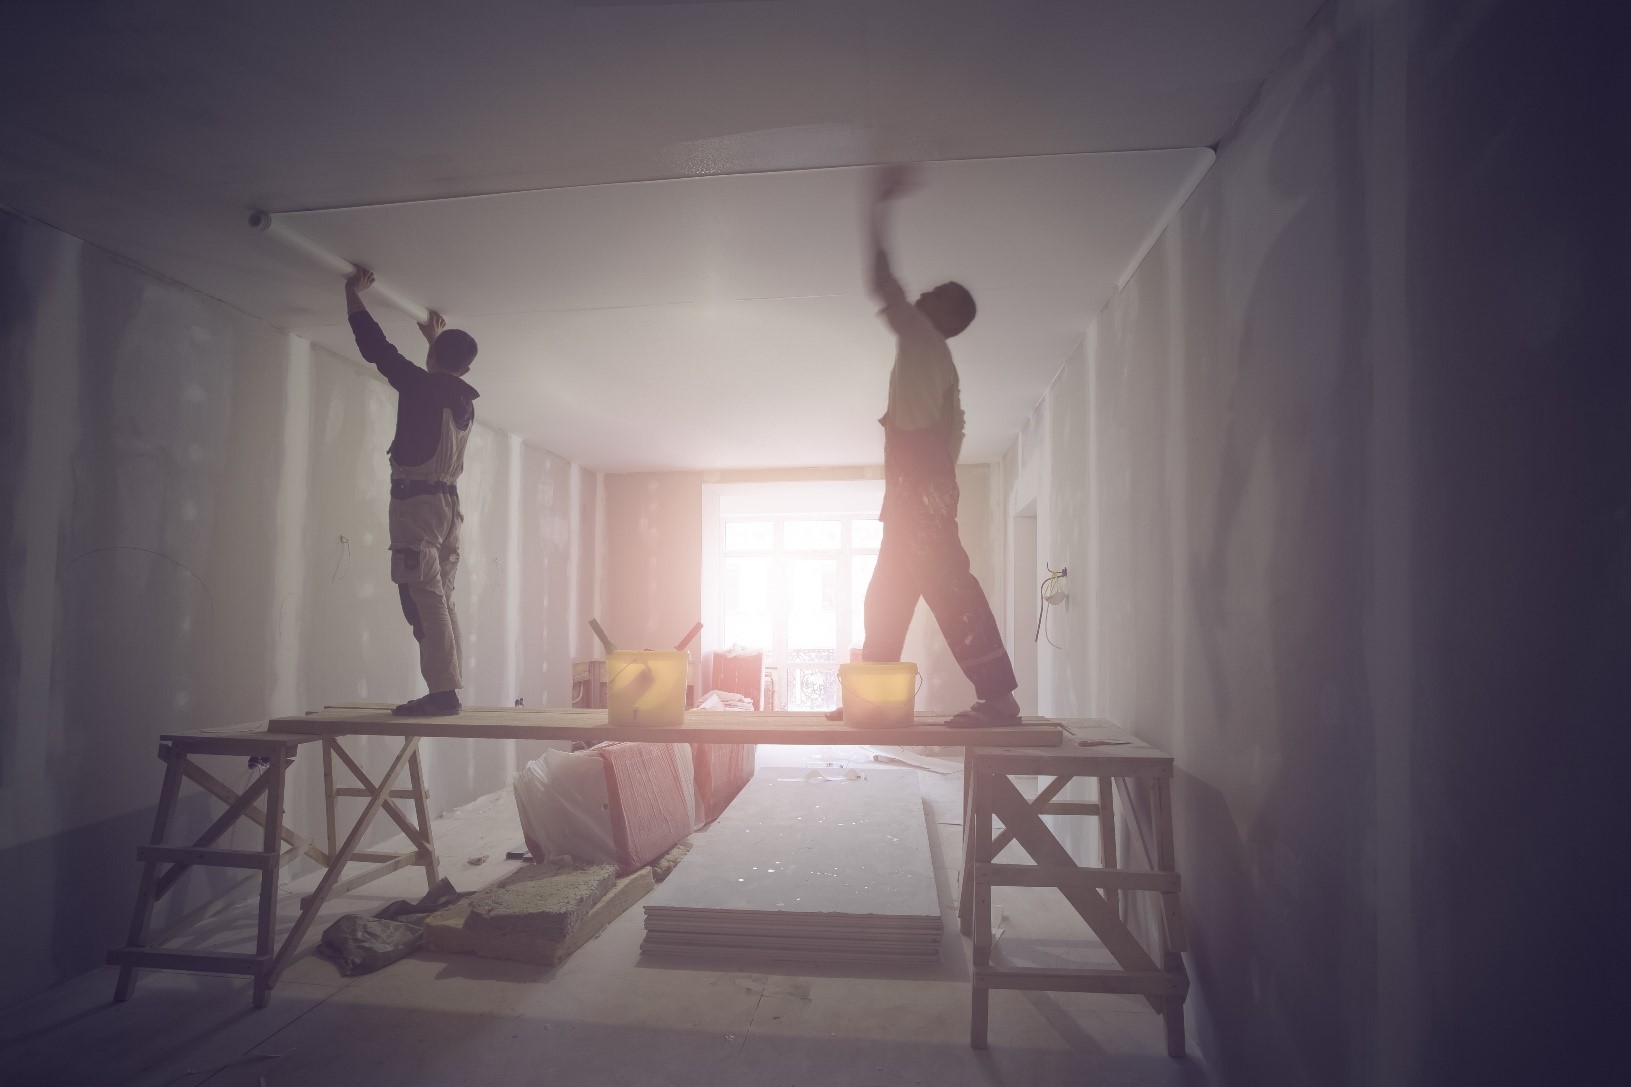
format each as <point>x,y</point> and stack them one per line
<point>424,560</point>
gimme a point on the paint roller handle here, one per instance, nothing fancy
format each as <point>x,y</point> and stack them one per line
<point>594,625</point>
<point>268,224</point>
<point>432,326</point>
<point>689,637</point>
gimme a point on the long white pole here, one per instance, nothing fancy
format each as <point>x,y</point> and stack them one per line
<point>272,227</point>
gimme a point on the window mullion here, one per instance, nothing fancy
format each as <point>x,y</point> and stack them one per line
<point>779,609</point>
<point>845,595</point>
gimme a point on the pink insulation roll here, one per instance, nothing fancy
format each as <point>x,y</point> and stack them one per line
<point>721,772</point>
<point>650,797</point>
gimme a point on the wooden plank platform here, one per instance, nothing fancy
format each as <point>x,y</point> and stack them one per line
<point>1088,748</point>
<point>592,726</point>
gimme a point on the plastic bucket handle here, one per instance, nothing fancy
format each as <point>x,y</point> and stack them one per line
<point>870,702</point>
<point>626,666</point>
<point>638,688</point>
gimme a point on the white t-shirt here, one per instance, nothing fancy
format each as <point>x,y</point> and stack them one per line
<point>923,388</point>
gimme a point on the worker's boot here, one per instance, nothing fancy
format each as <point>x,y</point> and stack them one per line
<point>435,704</point>
<point>988,713</point>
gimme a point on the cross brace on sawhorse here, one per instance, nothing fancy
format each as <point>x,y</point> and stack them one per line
<point>262,802</point>
<point>1110,756</point>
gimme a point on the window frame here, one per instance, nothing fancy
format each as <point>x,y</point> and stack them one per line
<point>777,653</point>
<point>855,498</point>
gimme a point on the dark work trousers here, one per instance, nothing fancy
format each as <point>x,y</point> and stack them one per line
<point>424,561</point>
<point>921,555</point>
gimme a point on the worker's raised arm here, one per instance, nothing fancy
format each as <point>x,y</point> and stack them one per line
<point>371,341</point>
<point>359,280</point>
<point>890,183</point>
<point>432,327</point>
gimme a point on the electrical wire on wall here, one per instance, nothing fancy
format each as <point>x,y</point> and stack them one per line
<point>339,563</point>
<point>1050,594</point>
<point>146,551</point>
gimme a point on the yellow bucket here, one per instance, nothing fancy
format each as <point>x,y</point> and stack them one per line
<point>646,688</point>
<point>879,695</point>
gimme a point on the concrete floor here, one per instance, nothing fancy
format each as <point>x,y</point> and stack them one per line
<point>603,1017</point>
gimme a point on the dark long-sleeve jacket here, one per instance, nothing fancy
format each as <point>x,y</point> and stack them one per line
<point>422,394</point>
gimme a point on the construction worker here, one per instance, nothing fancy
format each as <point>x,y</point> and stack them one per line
<point>434,412</point>
<point>921,554</point>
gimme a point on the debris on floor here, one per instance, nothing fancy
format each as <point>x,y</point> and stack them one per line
<point>360,944</point>
<point>726,700</point>
<point>907,756</point>
<point>544,912</point>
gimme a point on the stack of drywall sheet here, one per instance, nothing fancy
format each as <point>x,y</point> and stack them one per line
<point>806,865</point>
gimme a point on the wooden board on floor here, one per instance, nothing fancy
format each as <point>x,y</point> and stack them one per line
<point>592,726</point>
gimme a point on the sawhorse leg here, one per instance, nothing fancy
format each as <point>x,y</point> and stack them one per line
<point>378,798</point>
<point>1174,934</point>
<point>142,918</point>
<point>270,958</point>
<point>981,855</point>
<point>271,843</point>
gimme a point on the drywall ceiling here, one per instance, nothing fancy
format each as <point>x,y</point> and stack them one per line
<point>151,128</point>
<point>721,322</point>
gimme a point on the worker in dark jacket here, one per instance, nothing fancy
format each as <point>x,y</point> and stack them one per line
<point>434,411</point>
<point>921,554</point>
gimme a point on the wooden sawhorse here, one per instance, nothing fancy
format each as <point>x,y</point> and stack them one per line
<point>262,803</point>
<point>1092,749</point>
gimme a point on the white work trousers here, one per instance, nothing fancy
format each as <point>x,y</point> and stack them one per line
<point>424,559</point>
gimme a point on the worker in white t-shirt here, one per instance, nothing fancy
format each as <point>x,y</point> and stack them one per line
<point>921,553</point>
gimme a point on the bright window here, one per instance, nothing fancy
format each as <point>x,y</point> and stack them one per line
<point>793,564</point>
